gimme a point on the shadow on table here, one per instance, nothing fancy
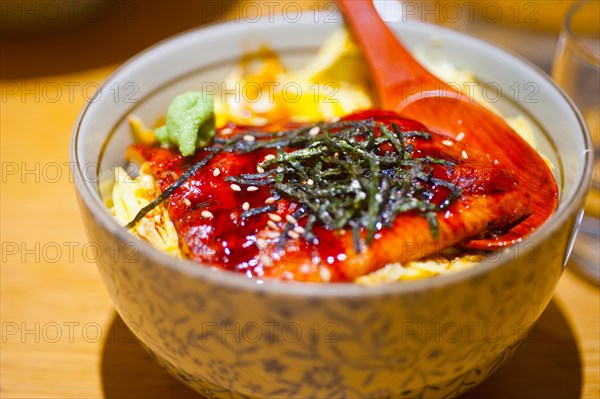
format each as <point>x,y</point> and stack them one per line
<point>128,372</point>
<point>547,365</point>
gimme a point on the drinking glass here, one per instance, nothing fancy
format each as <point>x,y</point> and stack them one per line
<point>577,70</point>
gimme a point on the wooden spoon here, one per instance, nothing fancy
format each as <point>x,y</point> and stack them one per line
<point>406,87</point>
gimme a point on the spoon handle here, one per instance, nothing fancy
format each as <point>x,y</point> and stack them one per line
<point>395,72</point>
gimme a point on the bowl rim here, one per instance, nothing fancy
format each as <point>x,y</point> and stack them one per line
<point>217,276</point>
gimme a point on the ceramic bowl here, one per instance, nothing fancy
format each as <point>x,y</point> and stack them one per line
<point>228,336</point>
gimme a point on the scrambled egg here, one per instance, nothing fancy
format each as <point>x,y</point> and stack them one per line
<point>129,196</point>
<point>430,267</point>
<point>335,83</point>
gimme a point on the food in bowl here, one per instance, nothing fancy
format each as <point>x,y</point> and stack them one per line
<point>321,189</point>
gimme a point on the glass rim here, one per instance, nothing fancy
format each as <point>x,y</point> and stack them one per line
<point>584,49</point>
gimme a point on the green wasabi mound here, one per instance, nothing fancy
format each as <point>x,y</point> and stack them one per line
<point>190,122</point>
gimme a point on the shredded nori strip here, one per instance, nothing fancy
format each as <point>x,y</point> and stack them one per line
<point>167,193</point>
<point>340,177</point>
<point>258,211</point>
<point>300,213</point>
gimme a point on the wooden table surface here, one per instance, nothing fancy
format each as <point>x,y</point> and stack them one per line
<point>61,337</point>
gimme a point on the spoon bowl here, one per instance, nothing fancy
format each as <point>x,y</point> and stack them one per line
<point>406,87</point>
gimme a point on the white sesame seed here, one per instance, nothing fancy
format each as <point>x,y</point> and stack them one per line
<point>259,169</point>
<point>252,188</point>
<point>378,198</point>
<point>187,202</point>
<point>291,219</point>
<point>235,187</point>
<point>341,257</point>
<point>245,206</point>
<point>293,234</point>
<point>314,131</point>
<point>272,224</point>
<point>249,138</point>
<point>310,182</point>
<point>335,119</point>
<point>267,261</point>
<point>216,172</point>
<point>274,217</point>
<point>270,201</point>
<point>269,157</point>
<point>447,143</point>
<point>464,154</point>
<point>460,136</point>
<point>299,229</point>
<point>206,214</point>
<point>272,234</point>
<point>325,274</point>
<point>226,130</point>
<point>304,268</point>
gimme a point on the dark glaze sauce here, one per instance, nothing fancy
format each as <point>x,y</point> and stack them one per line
<point>206,209</point>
